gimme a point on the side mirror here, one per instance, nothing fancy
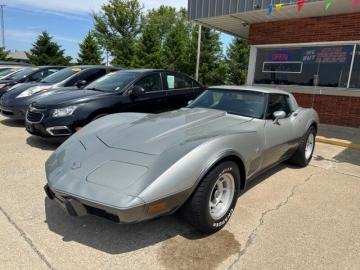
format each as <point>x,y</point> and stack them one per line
<point>80,84</point>
<point>279,115</point>
<point>136,91</point>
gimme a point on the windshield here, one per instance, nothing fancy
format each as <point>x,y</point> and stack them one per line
<point>21,74</point>
<point>61,75</point>
<point>113,82</point>
<point>6,71</point>
<point>244,103</point>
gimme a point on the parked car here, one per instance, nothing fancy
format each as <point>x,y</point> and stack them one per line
<point>134,167</point>
<point>8,71</point>
<point>65,112</point>
<point>28,74</point>
<point>14,103</point>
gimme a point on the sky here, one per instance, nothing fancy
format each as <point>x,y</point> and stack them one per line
<point>67,21</point>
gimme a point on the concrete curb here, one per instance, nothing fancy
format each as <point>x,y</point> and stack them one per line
<point>338,142</point>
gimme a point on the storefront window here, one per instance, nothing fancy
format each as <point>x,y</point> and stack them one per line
<point>355,75</point>
<point>326,66</point>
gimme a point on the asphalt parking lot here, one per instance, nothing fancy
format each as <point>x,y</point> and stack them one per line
<point>289,218</point>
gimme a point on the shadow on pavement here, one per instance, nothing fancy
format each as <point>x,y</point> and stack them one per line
<point>12,123</point>
<point>348,155</point>
<point>116,238</point>
<point>111,237</point>
<point>43,144</point>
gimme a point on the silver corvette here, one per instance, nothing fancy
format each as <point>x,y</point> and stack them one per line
<point>132,167</point>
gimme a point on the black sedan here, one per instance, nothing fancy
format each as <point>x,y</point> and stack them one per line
<point>14,103</point>
<point>150,91</point>
<point>29,74</point>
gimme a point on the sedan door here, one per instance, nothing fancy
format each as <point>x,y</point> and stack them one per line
<point>279,136</point>
<point>179,90</point>
<point>153,100</point>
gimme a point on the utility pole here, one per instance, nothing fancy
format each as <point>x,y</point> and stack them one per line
<point>2,25</point>
<point>198,54</point>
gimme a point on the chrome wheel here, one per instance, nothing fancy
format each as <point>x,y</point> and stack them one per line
<point>221,196</point>
<point>309,146</point>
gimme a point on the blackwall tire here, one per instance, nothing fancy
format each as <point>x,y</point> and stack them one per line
<point>213,202</point>
<point>304,153</point>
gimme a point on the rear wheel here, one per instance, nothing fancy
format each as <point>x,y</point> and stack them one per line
<point>213,202</point>
<point>304,153</point>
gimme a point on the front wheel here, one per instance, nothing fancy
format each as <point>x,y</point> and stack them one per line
<point>213,202</point>
<point>304,153</point>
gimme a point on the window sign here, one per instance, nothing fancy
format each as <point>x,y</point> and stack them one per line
<point>327,66</point>
<point>170,81</point>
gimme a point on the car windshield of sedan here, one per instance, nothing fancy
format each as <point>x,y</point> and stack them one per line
<point>22,73</point>
<point>243,103</point>
<point>113,82</point>
<point>61,75</point>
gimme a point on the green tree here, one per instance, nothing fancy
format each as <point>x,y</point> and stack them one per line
<point>117,27</point>
<point>47,52</point>
<point>237,61</point>
<point>177,44</point>
<point>90,52</point>
<point>4,54</point>
<point>154,27</point>
<point>212,70</point>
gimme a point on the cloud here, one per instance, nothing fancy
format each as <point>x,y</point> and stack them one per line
<point>83,6</point>
<point>30,36</point>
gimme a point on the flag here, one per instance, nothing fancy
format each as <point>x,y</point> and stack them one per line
<point>278,7</point>
<point>328,3</point>
<point>355,3</point>
<point>270,8</point>
<point>300,4</point>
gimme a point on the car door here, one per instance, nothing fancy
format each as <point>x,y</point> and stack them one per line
<point>153,100</point>
<point>179,90</point>
<point>279,136</point>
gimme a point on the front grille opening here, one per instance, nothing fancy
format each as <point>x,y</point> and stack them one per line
<point>7,113</point>
<point>60,131</point>
<point>34,116</point>
<point>102,213</point>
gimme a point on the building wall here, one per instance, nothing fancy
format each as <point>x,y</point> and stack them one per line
<point>319,29</point>
<point>335,110</point>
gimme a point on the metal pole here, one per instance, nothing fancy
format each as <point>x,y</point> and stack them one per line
<point>351,67</point>
<point>2,26</point>
<point>198,54</point>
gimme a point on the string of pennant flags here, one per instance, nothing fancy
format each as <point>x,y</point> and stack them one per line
<point>300,4</point>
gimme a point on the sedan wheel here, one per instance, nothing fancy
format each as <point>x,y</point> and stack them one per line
<point>212,203</point>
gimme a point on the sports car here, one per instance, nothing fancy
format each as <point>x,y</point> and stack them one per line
<point>132,167</point>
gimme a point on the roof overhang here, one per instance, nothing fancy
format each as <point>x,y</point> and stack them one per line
<point>238,24</point>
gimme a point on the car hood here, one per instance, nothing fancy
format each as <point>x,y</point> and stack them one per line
<point>154,134</point>
<point>60,96</point>
<point>10,95</point>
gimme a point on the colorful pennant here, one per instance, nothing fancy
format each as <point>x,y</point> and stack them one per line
<point>328,4</point>
<point>270,8</point>
<point>355,3</point>
<point>300,4</point>
<point>278,7</point>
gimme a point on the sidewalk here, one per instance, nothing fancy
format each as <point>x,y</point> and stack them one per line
<point>340,136</point>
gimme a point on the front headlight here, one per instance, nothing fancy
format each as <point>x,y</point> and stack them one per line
<point>2,85</point>
<point>32,90</point>
<point>64,111</point>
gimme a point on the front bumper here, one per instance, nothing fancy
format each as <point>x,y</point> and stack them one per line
<point>13,112</point>
<point>81,207</point>
<point>50,127</point>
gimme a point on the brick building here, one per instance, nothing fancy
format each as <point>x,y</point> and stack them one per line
<point>314,53</point>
